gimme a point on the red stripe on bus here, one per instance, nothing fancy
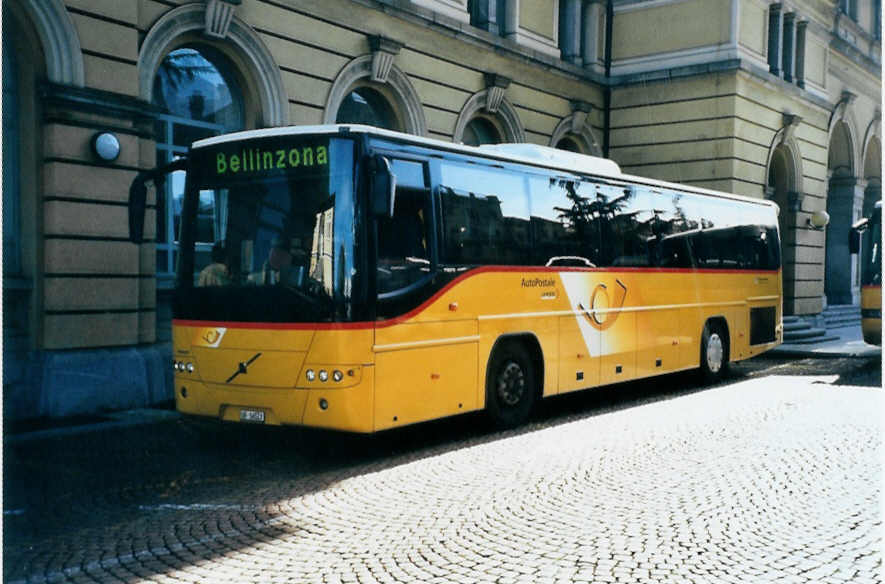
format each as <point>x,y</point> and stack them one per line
<point>423,306</point>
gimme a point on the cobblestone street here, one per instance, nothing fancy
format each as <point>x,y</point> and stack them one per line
<point>774,476</point>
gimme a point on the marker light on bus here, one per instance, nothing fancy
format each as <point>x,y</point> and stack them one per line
<point>311,375</point>
<point>324,375</point>
<point>337,375</point>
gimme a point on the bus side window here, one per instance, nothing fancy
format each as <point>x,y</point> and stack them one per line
<point>403,240</point>
<point>563,231</point>
<point>485,216</point>
<point>626,225</point>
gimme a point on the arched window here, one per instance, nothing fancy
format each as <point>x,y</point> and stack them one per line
<point>569,145</point>
<point>365,105</point>
<point>199,92</point>
<point>481,131</point>
<point>371,89</point>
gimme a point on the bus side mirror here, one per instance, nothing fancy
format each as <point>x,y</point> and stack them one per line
<point>382,184</point>
<point>138,195</point>
<point>854,241</point>
<point>137,206</point>
<point>855,234</point>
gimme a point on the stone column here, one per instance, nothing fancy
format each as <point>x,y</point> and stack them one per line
<point>789,41</point>
<point>801,28</point>
<point>844,204</point>
<point>569,29</point>
<point>509,21</point>
<point>775,30</point>
<point>592,16</point>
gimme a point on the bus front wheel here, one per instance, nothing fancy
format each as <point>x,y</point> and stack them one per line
<point>510,385</point>
<point>714,352</point>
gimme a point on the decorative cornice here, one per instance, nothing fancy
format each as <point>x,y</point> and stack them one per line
<point>96,101</point>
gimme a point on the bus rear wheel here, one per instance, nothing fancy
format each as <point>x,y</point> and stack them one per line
<point>510,385</point>
<point>714,353</point>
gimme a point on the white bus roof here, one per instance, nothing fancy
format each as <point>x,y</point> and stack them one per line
<point>526,153</point>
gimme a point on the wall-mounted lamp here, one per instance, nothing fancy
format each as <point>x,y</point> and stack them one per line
<point>818,220</point>
<point>106,146</point>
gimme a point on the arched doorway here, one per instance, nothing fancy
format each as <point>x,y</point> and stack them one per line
<point>782,189</point>
<point>845,196</point>
<point>24,64</point>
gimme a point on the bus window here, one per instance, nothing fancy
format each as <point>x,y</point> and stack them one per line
<point>625,225</point>
<point>403,240</point>
<point>485,216</point>
<point>562,232</point>
<point>670,248</point>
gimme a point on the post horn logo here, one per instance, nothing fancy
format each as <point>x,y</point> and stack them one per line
<point>600,296</point>
<point>211,336</point>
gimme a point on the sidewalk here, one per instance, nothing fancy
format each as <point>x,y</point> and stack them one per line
<point>849,344</point>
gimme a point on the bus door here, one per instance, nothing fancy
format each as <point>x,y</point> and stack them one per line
<point>425,348</point>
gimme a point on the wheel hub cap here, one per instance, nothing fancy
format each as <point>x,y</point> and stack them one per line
<point>714,353</point>
<point>511,383</point>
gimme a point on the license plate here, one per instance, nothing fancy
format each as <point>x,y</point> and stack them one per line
<point>256,416</point>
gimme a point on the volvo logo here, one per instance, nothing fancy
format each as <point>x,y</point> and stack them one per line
<point>243,367</point>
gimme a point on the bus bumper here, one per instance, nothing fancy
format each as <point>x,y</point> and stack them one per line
<point>349,409</point>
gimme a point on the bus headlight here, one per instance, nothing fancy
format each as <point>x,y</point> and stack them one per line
<point>324,375</point>
<point>189,367</point>
<point>337,375</point>
<point>311,375</point>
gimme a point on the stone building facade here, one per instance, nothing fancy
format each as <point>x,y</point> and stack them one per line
<point>761,98</point>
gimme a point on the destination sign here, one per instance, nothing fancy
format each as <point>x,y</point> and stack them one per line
<point>261,160</point>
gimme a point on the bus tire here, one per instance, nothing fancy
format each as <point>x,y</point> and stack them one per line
<point>510,385</point>
<point>714,352</point>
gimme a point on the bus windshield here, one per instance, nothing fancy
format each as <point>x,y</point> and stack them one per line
<point>267,232</point>
<point>871,256</point>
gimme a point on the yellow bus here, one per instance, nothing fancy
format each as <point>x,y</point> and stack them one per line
<point>866,239</point>
<point>361,279</point>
